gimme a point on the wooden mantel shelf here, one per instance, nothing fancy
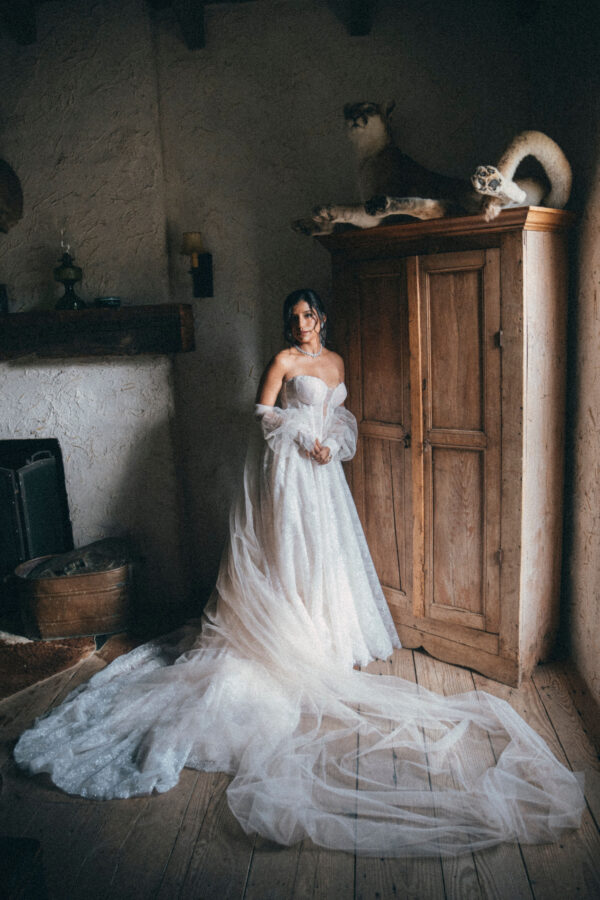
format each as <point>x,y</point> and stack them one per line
<point>128,331</point>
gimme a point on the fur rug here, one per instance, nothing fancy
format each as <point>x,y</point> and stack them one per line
<point>24,662</point>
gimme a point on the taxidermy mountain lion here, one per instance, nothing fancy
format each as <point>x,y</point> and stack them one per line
<point>394,184</point>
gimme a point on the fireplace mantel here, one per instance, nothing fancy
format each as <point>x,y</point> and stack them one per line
<point>128,331</point>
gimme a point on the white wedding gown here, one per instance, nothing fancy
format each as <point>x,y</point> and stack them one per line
<point>267,691</point>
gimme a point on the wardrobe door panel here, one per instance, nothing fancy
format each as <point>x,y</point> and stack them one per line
<point>383,332</point>
<point>381,502</point>
<point>457,534</point>
<point>460,323</point>
<point>456,338</point>
<point>375,313</point>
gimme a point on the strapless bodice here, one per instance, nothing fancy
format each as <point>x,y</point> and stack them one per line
<point>310,390</point>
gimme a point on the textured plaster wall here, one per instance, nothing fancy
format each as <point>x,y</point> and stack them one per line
<point>584,519</point>
<point>79,123</point>
<point>114,423</point>
<point>128,138</point>
<point>566,92</point>
<point>253,137</point>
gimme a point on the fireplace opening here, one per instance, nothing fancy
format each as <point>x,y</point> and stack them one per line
<point>34,509</point>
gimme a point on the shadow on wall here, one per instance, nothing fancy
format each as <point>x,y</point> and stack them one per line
<point>213,419</point>
<point>581,579</point>
<point>145,508</point>
<point>214,392</point>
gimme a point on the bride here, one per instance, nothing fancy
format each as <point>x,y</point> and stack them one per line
<point>267,689</point>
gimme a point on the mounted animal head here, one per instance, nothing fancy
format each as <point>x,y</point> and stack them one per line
<point>11,197</point>
<point>368,125</point>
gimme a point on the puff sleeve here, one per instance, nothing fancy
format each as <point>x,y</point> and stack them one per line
<point>284,430</point>
<point>342,434</point>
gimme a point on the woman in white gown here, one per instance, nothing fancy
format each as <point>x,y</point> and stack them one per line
<point>268,692</point>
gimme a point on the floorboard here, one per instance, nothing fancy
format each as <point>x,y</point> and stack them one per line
<point>135,844</point>
<point>300,871</point>
<point>18,711</point>
<point>220,852</point>
<point>322,874</point>
<point>21,869</point>
<point>586,706</point>
<point>552,684</point>
<point>571,867</point>
<point>25,802</point>
<point>186,843</point>
<point>407,877</point>
<point>498,872</point>
<point>201,787</point>
<point>460,873</point>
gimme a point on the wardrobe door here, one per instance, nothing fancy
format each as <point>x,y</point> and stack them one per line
<point>373,302</point>
<point>461,370</point>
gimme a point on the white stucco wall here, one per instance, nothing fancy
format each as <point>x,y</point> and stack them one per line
<point>128,138</point>
<point>80,127</point>
<point>114,422</point>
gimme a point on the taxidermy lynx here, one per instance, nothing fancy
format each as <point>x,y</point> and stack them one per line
<point>394,184</point>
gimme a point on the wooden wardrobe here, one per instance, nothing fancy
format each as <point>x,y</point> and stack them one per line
<point>454,336</point>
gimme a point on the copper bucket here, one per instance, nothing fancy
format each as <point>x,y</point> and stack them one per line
<point>75,605</point>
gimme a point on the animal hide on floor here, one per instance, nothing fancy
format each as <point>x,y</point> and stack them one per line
<point>24,663</point>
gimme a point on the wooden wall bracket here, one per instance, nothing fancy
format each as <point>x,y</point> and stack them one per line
<point>190,17</point>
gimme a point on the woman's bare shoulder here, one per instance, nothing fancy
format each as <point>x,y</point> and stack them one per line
<point>281,361</point>
<point>337,360</point>
<point>272,378</point>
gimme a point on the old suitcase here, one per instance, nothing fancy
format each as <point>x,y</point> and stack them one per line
<point>34,511</point>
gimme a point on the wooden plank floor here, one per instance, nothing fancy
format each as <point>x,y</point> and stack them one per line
<point>186,843</point>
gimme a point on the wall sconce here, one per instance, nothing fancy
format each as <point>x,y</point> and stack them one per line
<point>201,270</point>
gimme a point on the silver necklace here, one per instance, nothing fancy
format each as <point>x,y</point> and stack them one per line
<point>308,353</point>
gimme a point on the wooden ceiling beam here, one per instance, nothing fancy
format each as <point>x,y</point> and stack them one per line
<point>18,17</point>
<point>190,16</point>
<point>19,20</point>
<point>356,15</point>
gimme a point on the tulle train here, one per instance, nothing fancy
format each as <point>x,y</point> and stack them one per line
<point>266,691</point>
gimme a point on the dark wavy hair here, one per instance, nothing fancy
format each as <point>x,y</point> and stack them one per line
<point>314,301</point>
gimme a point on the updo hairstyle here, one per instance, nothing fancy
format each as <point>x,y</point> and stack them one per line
<point>314,301</point>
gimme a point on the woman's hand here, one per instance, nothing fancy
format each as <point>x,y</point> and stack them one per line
<point>320,454</point>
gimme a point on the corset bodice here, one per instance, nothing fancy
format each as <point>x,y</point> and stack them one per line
<point>310,390</point>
